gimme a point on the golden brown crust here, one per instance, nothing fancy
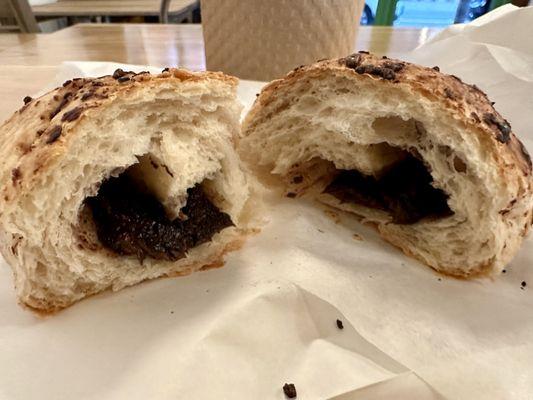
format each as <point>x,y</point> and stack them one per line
<point>216,261</point>
<point>466,102</point>
<point>37,133</point>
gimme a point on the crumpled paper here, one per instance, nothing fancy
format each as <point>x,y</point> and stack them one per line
<point>269,316</point>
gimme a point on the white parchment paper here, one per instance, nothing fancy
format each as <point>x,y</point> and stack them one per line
<point>268,317</point>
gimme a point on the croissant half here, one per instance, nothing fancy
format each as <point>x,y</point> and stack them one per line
<point>422,155</point>
<point>118,179</point>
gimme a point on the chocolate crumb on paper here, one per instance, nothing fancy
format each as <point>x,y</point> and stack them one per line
<point>340,325</point>
<point>523,285</point>
<point>290,390</point>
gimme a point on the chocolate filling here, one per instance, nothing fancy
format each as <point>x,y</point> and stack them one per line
<point>404,191</point>
<point>131,221</point>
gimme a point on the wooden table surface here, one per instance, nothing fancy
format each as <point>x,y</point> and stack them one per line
<point>14,39</point>
<point>77,8</point>
<point>28,62</point>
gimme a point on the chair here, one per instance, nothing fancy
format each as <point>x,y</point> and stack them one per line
<point>163,12</point>
<point>17,15</point>
<point>179,9</point>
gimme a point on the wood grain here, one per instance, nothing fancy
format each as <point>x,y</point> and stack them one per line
<point>153,44</point>
<point>8,40</point>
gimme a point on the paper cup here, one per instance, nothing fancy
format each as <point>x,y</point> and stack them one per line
<point>264,39</point>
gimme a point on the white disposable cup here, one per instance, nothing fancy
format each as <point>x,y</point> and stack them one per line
<point>264,39</point>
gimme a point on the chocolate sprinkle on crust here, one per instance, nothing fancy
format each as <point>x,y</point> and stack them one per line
<point>436,68</point>
<point>72,114</point>
<point>353,61</point>
<point>449,93</point>
<point>119,73</point>
<point>340,324</point>
<point>123,79</point>
<point>166,69</point>
<point>88,95</point>
<point>395,66</point>
<point>290,390</point>
<point>15,175</point>
<point>27,99</point>
<point>382,72</point>
<point>504,134</point>
<point>291,195</point>
<point>456,78</point>
<point>64,102</point>
<point>363,52</point>
<point>475,117</point>
<point>66,83</point>
<point>54,134</point>
<point>386,70</point>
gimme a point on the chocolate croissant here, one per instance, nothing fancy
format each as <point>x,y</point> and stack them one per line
<point>111,181</point>
<point>420,154</point>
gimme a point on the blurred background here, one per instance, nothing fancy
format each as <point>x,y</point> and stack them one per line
<point>51,15</point>
<point>428,13</point>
